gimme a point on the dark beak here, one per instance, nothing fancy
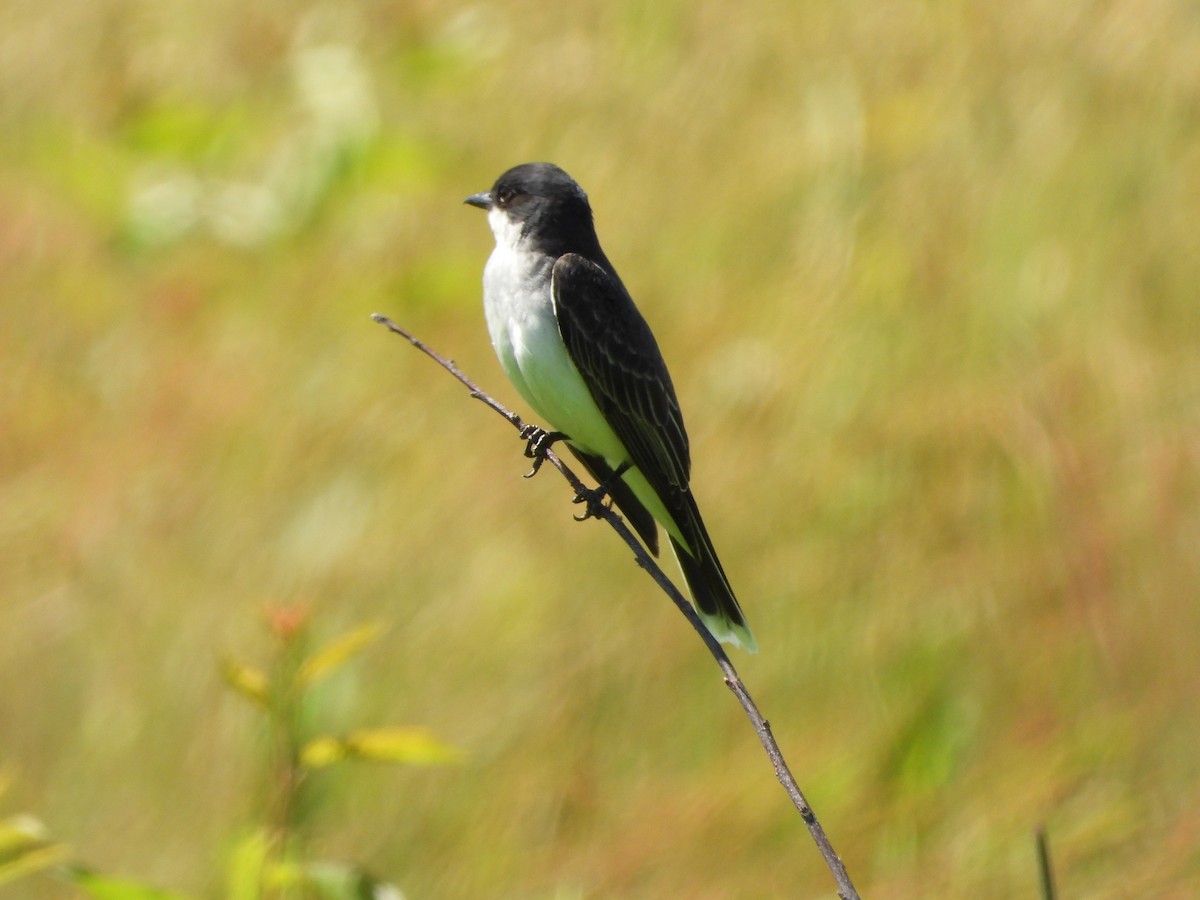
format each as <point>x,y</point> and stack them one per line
<point>483,201</point>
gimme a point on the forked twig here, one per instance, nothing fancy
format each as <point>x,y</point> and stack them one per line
<point>732,680</point>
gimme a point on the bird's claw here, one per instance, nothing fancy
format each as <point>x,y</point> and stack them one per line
<point>595,498</point>
<point>537,442</point>
<point>597,501</point>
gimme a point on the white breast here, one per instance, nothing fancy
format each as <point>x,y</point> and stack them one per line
<point>520,318</point>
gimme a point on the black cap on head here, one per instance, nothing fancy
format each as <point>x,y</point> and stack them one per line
<point>551,208</point>
<point>525,187</point>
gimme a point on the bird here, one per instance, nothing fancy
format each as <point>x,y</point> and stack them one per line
<point>570,339</point>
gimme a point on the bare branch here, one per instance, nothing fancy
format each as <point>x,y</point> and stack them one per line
<point>732,680</point>
<point>1045,870</point>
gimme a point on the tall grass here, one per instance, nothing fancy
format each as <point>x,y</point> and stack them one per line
<point>925,275</point>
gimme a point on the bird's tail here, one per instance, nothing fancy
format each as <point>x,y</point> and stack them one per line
<point>706,579</point>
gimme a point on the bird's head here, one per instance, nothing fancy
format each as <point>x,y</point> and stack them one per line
<point>541,203</point>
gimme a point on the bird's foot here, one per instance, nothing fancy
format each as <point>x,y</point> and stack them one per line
<point>596,497</point>
<point>595,501</point>
<point>537,442</point>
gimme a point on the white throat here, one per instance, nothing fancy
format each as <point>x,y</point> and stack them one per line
<point>507,232</point>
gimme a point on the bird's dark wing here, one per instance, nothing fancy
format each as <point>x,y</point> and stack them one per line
<point>613,349</point>
<point>615,352</point>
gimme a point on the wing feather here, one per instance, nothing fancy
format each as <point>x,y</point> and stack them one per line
<point>612,347</point>
<point>615,352</point>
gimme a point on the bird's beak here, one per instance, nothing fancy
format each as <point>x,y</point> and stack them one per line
<point>483,201</point>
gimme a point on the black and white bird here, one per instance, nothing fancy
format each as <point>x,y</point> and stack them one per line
<point>572,342</point>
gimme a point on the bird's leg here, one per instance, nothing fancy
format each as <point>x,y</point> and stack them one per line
<point>537,442</point>
<point>595,498</point>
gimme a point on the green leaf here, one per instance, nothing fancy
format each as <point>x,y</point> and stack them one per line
<point>251,683</point>
<point>116,889</point>
<point>246,866</point>
<point>322,751</point>
<point>25,848</point>
<point>335,653</point>
<point>414,746</point>
<point>333,881</point>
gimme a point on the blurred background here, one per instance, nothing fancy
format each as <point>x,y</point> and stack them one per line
<point>926,277</point>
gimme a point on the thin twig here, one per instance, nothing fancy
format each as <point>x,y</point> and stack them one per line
<point>1045,870</point>
<point>732,680</point>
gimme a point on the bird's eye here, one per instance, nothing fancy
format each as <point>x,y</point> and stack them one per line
<point>504,194</point>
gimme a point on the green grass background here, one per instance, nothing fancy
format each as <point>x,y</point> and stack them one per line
<point>928,279</point>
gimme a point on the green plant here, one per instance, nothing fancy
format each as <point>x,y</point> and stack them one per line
<point>271,861</point>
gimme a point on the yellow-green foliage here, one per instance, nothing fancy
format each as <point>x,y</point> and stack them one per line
<point>928,279</point>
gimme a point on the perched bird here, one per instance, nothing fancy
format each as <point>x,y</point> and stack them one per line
<point>572,342</point>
